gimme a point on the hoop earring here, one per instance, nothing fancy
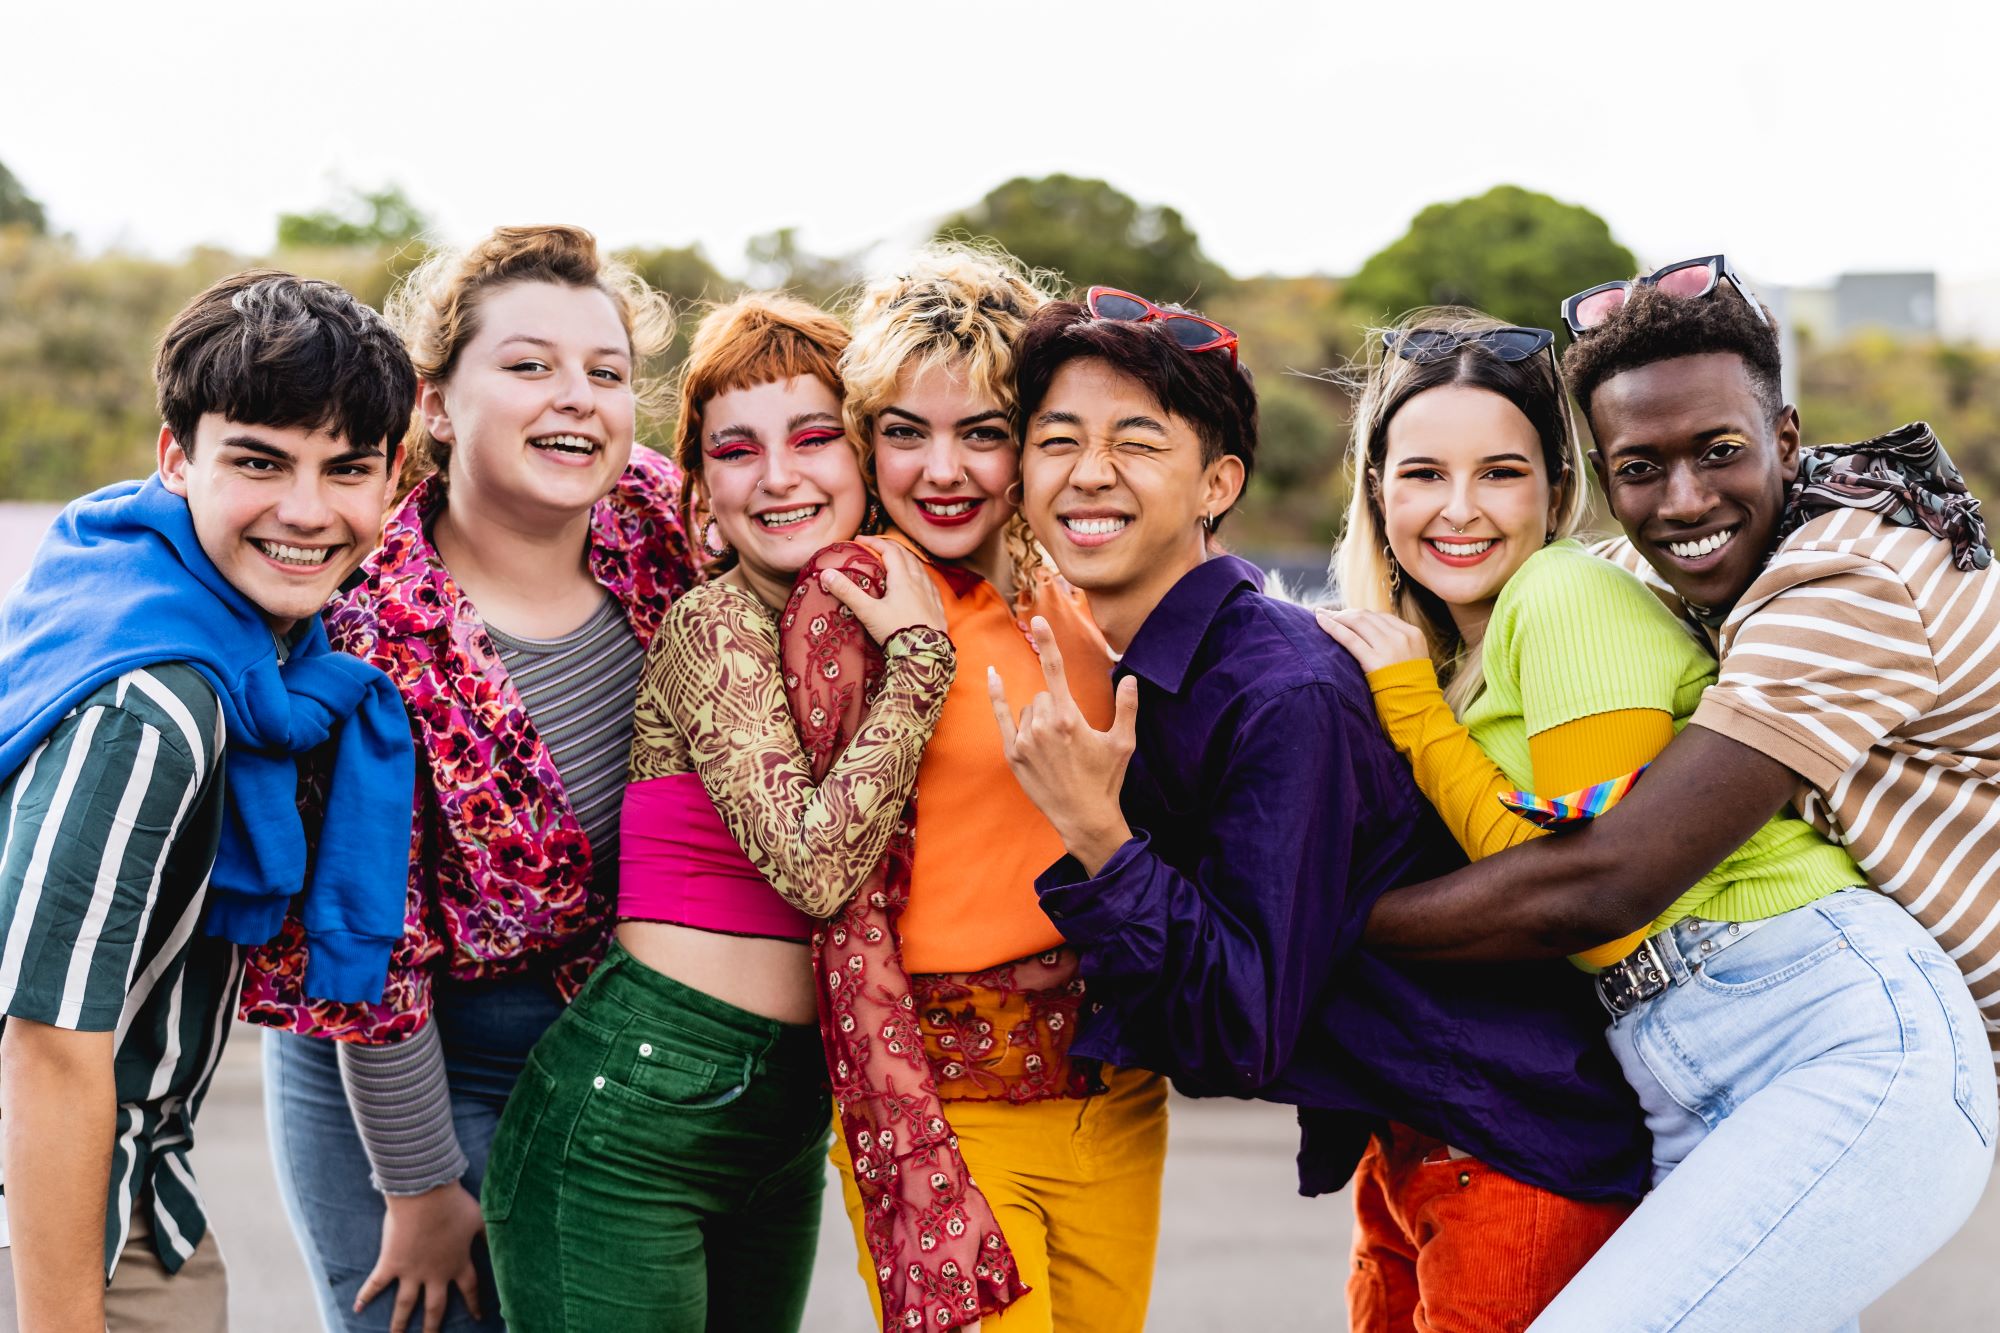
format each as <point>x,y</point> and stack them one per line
<point>1395,571</point>
<point>711,541</point>
<point>1012,493</point>
<point>1548,536</point>
<point>1208,524</point>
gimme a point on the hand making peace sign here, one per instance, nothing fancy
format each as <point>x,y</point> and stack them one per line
<point>1070,769</point>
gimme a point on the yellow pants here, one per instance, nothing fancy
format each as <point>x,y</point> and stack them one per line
<point>1076,1188</point>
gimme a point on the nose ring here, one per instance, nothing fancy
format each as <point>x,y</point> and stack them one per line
<point>1454,527</point>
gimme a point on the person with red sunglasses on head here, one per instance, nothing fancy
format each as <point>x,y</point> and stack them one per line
<point>1821,1100</point>
<point>1227,833</point>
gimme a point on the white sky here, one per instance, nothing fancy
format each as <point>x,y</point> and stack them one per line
<point>1294,136</point>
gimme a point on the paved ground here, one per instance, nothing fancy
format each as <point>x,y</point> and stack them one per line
<point>1239,1250</point>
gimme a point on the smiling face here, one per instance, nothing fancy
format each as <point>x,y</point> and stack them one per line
<point>284,514</point>
<point>779,478</point>
<point>1695,469</point>
<point>1115,487</point>
<point>538,409</point>
<point>944,458</point>
<point>1465,495</point>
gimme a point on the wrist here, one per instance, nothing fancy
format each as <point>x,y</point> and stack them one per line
<point>1094,845</point>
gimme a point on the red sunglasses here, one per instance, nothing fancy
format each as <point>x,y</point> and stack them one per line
<point>1190,332</point>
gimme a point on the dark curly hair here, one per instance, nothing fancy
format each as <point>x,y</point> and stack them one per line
<point>1654,326</point>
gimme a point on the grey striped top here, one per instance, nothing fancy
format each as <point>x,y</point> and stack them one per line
<point>578,691</point>
<point>107,835</point>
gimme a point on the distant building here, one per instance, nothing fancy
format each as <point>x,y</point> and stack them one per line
<point>1904,303</point>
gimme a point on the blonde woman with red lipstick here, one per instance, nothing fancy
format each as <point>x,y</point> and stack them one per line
<point>1561,675</point>
<point>1067,1155</point>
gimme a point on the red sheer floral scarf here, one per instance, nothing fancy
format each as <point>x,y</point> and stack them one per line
<point>940,1260</point>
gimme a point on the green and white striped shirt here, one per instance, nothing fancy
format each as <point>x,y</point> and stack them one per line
<point>107,835</point>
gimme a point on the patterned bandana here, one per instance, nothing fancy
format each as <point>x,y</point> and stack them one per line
<point>1905,477</point>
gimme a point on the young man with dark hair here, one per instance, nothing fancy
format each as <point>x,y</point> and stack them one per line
<point>162,664</point>
<point>1850,597</point>
<point>1228,834</point>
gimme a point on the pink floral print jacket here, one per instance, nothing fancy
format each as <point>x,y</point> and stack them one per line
<point>500,870</point>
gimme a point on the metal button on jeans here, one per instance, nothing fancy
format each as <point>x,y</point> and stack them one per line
<point>645,1048</point>
<point>597,1082</point>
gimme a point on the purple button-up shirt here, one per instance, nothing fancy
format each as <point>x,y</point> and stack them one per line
<point>1222,944</point>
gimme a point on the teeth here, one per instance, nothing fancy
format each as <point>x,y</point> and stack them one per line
<point>946,508</point>
<point>1707,545</point>
<point>1095,527</point>
<point>566,444</point>
<point>1462,548</point>
<point>781,517</point>
<point>295,555</point>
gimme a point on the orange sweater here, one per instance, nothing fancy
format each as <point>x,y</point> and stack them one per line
<point>980,840</point>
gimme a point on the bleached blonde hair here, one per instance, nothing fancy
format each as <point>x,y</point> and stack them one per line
<point>956,305</point>
<point>1364,571</point>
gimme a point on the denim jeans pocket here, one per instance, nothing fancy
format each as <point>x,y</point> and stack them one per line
<point>1773,955</point>
<point>514,1142</point>
<point>1968,1046</point>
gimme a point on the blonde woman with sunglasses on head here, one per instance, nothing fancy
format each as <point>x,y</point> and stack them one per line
<point>1507,660</point>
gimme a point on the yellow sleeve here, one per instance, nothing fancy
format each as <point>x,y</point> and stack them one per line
<point>1453,773</point>
<point>1465,786</point>
<point>1607,745</point>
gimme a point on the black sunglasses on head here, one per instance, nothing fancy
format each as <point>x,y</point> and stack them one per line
<point>1423,346</point>
<point>1690,278</point>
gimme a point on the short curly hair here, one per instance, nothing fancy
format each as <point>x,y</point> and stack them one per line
<point>1653,326</point>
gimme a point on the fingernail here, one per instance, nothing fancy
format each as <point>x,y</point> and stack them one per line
<point>823,584</point>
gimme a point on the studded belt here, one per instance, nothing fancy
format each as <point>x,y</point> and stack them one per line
<point>1666,959</point>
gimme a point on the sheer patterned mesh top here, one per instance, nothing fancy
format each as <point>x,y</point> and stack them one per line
<point>723,827</point>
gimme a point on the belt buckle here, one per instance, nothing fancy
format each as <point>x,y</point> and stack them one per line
<point>1638,977</point>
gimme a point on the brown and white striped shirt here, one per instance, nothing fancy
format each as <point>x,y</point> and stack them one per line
<point>1869,665</point>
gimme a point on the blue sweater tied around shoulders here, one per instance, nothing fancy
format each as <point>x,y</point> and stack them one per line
<point>120,583</point>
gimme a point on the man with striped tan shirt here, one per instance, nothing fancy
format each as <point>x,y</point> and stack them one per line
<point>162,667</point>
<point>1821,1096</point>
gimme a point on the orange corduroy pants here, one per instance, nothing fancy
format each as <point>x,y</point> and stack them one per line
<point>1446,1244</point>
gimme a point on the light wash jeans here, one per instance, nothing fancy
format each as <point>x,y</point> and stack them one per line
<point>1821,1097</point>
<point>487,1029</point>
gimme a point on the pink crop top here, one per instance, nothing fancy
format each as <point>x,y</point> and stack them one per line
<point>677,863</point>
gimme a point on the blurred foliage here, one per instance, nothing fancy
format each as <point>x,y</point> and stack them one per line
<point>18,208</point>
<point>77,330</point>
<point>777,261</point>
<point>1510,252</point>
<point>374,219</point>
<point>1095,235</point>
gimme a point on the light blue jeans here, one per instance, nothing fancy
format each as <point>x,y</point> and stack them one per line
<point>1821,1097</point>
<point>487,1028</point>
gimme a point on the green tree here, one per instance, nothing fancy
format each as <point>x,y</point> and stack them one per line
<point>777,260</point>
<point>18,208</point>
<point>1510,252</point>
<point>373,219</point>
<point>1094,234</point>
<point>685,275</point>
